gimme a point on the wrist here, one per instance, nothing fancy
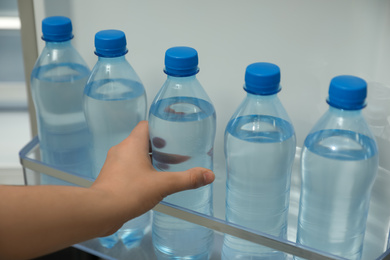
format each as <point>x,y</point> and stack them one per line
<point>110,219</point>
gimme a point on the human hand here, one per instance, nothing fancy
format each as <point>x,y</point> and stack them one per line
<point>130,183</point>
<point>55,217</point>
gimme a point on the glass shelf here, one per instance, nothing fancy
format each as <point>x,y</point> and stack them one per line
<point>376,239</point>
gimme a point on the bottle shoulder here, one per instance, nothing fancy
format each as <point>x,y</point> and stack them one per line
<point>261,120</point>
<point>182,84</point>
<point>114,79</point>
<point>253,105</point>
<point>60,65</point>
<point>59,54</point>
<point>182,87</point>
<point>336,119</point>
<point>343,135</point>
<point>113,68</point>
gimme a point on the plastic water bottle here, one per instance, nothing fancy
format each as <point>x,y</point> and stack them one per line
<point>114,103</point>
<point>259,149</point>
<point>182,125</point>
<point>57,83</point>
<point>339,165</point>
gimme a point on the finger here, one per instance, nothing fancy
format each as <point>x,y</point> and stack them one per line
<point>172,182</point>
<point>139,137</point>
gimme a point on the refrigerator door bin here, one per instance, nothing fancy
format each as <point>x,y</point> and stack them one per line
<point>376,239</point>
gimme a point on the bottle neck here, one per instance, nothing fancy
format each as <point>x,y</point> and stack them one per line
<point>181,79</point>
<point>345,113</point>
<point>263,98</point>
<point>112,59</point>
<point>63,44</point>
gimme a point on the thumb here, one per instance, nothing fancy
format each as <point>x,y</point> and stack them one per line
<point>172,182</point>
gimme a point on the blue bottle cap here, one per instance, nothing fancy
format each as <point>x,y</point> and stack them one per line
<point>57,29</point>
<point>110,43</point>
<point>347,92</point>
<point>181,61</point>
<point>262,78</point>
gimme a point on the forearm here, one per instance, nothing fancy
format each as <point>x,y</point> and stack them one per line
<point>43,219</point>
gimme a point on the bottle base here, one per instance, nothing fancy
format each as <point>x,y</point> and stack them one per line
<point>131,233</point>
<point>170,255</point>
<point>109,241</point>
<point>238,249</point>
<point>129,238</point>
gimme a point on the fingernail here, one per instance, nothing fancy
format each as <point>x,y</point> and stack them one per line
<point>208,177</point>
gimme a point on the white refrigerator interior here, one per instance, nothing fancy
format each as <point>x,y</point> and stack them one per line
<point>311,42</point>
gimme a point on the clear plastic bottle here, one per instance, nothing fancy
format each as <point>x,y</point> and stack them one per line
<point>114,103</point>
<point>339,164</point>
<point>259,150</point>
<point>182,126</point>
<point>57,83</point>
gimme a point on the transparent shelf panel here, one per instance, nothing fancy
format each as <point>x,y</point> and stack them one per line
<point>376,238</point>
